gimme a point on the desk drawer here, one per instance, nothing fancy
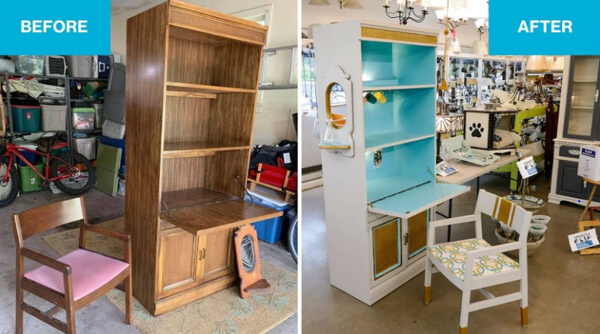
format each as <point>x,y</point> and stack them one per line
<point>569,151</point>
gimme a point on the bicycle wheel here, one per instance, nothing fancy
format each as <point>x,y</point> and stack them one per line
<point>82,176</point>
<point>293,238</point>
<point>9,189</point>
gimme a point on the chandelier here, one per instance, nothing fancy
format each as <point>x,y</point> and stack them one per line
<point>406,11</point>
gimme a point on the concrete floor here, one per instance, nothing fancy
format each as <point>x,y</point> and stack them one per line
<point>564,293</point>
<point>101,316</point>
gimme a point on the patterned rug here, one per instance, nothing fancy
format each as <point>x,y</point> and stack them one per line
<point>220,313</point>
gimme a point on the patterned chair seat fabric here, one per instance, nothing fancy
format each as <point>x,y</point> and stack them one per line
<point>453,256</point>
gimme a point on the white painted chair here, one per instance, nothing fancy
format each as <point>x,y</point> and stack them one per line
<point>486,264</point>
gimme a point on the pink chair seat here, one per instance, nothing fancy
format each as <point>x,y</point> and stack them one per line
<point>89,271</point>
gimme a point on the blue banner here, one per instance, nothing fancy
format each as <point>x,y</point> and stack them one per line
<point>544,27</point>
<point>66,27</point>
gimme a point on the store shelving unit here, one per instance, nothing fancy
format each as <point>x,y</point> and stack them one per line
<point>67,100</point>
<point>191,125</point>
<point>377,210</point>
<point>578,125</point>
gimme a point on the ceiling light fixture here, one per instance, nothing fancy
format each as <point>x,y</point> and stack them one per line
<point>407,11</point>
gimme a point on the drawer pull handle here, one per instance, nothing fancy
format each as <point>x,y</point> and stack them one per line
<point>573,152</point>
<point>406,238</point>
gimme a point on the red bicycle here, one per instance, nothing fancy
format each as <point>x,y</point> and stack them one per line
<point>70,171</point>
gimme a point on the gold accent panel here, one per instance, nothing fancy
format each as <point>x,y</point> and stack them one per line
<point>398,36</point>
<point>417,232</point>
<point>385,245</point>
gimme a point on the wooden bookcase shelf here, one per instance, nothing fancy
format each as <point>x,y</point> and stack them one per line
<point>190,134</point>
<point>196,149</point>
<point>176,88</point>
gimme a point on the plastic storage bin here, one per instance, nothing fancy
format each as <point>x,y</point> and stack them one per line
<point>269,230</point>
<point>113,130</point>
<point>26,118</point>
<point>82,66</point>
<point>83,118</point>
<point>86,147</point>
<point>29,64</point>
<point>27,155</point>
<point>54,117</point>
<point>99,115</point>
<point>115,143</point>
<point>30,180</point>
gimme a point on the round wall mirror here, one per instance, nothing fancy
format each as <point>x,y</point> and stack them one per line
<point>336,105</point>
<point>248,256</point>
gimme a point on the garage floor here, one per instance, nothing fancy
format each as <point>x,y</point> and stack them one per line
<point>563,286</point>
<point>101,316</point>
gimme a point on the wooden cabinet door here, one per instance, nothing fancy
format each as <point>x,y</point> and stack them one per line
<point>417,233</point>
<point>218,260</point>
<point>180,261</point>
<point>387,250</point>
<point>569,183</point>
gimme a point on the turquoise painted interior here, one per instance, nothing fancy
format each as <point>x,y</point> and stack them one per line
<point>403,166</point>
<point>390,64</point>
<point>407,114</point>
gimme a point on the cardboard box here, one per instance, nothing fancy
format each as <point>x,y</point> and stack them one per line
<point>589,163</point>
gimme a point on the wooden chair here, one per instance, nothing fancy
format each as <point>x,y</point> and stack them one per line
<point>74,280</point>
<point>484,264</point>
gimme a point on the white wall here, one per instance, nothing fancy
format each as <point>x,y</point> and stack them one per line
<point>273,119</point>
<point>373,11</point>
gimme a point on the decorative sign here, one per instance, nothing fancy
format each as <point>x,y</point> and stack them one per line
<point>544,27</point>
<point>527,167</point>
<point>66,27</point>
<point>583,240</point>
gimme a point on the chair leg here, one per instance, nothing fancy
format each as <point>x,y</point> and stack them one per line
<point>427,294</point>
<point>70,320</point>
<point>524,301</point>
<point>464,311</point>
<point>524,316</point>
<point>128,301</point>
<point>19,309</point>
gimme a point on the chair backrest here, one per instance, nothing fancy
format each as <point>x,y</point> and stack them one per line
<point>43,218</point>
<point>505,211</point>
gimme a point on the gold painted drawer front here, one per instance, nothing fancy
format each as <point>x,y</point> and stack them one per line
<point>386,247</point>
<point>215,25</point>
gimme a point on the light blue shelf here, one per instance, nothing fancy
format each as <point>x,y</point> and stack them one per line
<point>407,114</point>
<point>398,64</point>
<point>392,138</point>
<point>416,200</point>
<point>375,85</point>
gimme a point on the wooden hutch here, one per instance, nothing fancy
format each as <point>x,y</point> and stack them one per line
<point>192,82</point>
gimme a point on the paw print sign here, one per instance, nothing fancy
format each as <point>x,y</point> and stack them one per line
<point>476,130</point>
